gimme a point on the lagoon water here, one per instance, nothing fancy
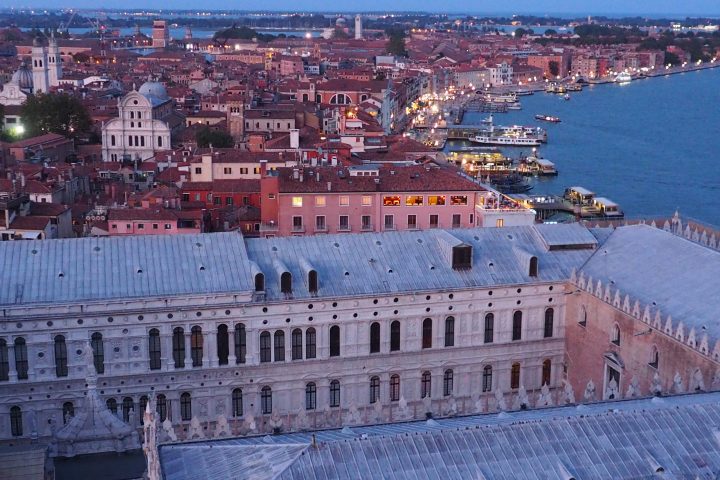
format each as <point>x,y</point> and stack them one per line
<point>651,145</point>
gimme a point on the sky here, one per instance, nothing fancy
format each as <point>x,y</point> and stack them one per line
<point>652,8</point>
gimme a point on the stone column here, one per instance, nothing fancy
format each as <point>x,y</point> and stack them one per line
<point>188,344</point>
<point>12,368</point>
<point>232,359</point>
<point>167,351</point>
<point>209,358</point>
<point>252,345</point>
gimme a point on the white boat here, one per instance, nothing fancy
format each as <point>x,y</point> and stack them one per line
<point>501,97</point>
<point>507,140</point>
<point>623,77</point>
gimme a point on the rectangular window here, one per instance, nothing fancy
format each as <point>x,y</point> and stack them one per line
<point>141,226</point>
<point>344,200</point>
<point>198,170</point>
<point>412,222</point>
<point>217,200</point>
<point>243,171</point>
<point>320,223</point>
<point>436,200</point>
<point>320,201</point>
<point>458,200</point>
<point>155,226</point>
<point>391,200</point>
<point>227,170</point>
<point>389,222</point>
<point>297,201</point>
<point>297,224</point>
<point>414,200</point>
<point>434,221</point>
<point>456,220</point>
<point>197,197</point>
<point>228,201</point>
<point>168,226</point>
<point>264,347</point>
<point>472,219</point>
<point>344,223</point>
<point>366,223</point>
<point>366,200</point>
<point>499,222</point>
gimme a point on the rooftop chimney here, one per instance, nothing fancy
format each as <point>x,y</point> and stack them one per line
<point>329,186</point>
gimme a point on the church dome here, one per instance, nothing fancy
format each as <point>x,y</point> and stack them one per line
<point>153,89</point>
<point>23,77</point>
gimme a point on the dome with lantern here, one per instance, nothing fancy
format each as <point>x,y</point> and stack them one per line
<point>154,91</point>
<point>23,78</point>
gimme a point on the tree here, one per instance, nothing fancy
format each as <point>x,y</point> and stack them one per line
<point>554,68</point>
<point>671,58</point>
<point>396,42</point>
<point>520,32</point>
<point>217,138</point>
<point>56,113</point>
<point>550,32</point>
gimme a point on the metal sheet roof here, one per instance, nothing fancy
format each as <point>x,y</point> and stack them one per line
<point>607,440</point>
<point>86,269</point>
<point>411,261</point>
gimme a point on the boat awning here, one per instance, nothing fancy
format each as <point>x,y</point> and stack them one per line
<point>544,163</point>
<point>605,201</point>
<point>581,190</point>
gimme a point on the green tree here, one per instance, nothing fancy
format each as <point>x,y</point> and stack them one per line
<point>217,138</point>
<point>57,113</point>
<point>396,42</point>
<point>671,58</point>
<point>550,32</point>
<point>520,32</point>
<point>554,68</point>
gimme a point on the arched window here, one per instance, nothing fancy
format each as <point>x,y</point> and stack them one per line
<point>654,357</point>
<point>178,342</point>
<point>96,342</point>
<point>375,337</point>
<point>223,344</point>
<point>16,426</point>
<point>286,283</point>
<point>546,372</point>
<point>312,281</point>
<point>127,406</point>
<point>266,400</point>
<point>425,384</point>
<point>489,327</point>
<point>160,142</point>
<point>154,348</point>
<point>161,407</point>
<point>185,407</point>
<point>487,379</point>
<point>68,411</point>
<point>196,346</point>
<point>448,383</point>
<point>310,396</point>
<point>296,339</point>
<point>517,325</point>
<point>240,343</point>
<point>374,389</point>
<point>394,388</point>
<point>615,335</point>
<point>340,99</point>
<point>237,402</point>
<point>279,346</point>
<point>450,331</point>
<point>259,282</point>
<point>583,316</point>
<point>265,349</point>
<point>112,140</point>
<point>427,333</point>
<point>395,336</point>
<point>111,404</point>
<point>335,393</point>
<point>310,343</point>
<point>549,320</point>
<point>533,267</point>
<point>515,375</point>
<point>143,405</point>
<point>61,365</point>
<point>335,341</point>
<point>21,358</point>
<point>4,360</point>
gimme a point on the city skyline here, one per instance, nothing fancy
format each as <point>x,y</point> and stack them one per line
<point>562,8</point>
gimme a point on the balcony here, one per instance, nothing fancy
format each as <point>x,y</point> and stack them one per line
<point>367,227</point>
<point>269,227</point>
<point>298,229</point>
<point>344,228</point>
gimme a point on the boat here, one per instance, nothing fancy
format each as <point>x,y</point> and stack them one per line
<point>512,183</point>
<point>500,97</point>
<point>574,87</point>
<point>514,106</point>
<point>536,166</point>
<point>623,77</point>
<point>547,118</point>
<point>506,140</point>
<point>523,92</point>
<point>586,205</point>
<point>566,97</point>
<point>555,88</point>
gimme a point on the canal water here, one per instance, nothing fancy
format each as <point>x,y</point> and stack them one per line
<point>651,145</point>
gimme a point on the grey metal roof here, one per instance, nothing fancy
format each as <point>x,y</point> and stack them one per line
<point>662,270</point>
<point>81,269</point>
<point>410,261</point>
<point>607,440</point>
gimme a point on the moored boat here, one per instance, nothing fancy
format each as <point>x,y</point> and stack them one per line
<point>547,118</point>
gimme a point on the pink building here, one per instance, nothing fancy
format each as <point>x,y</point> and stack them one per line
<point>367,198</point>
<point>291,65</point>
<point>142,221</point>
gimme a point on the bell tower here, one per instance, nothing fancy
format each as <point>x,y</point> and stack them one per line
<point>41,80</point>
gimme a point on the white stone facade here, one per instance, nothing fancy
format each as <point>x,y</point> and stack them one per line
<point>125,328</point>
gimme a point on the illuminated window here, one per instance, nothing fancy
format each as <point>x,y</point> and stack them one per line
<point>499,222</point>
<point>391,201</point>
<point>320,201</point>
<point>297,201</point>
<point>344,200</point>
<point>414,200</point>
<point>366,200</point>
<point>458,200</point>
<point>436,200</point>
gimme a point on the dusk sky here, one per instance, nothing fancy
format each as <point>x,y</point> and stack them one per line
<point>579,7</point>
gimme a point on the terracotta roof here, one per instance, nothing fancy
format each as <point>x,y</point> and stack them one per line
<point>29,223</point>
<point>28,142</point>
<point>47,209</point>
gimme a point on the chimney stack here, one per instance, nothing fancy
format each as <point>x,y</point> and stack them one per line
<point>263,168</point>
